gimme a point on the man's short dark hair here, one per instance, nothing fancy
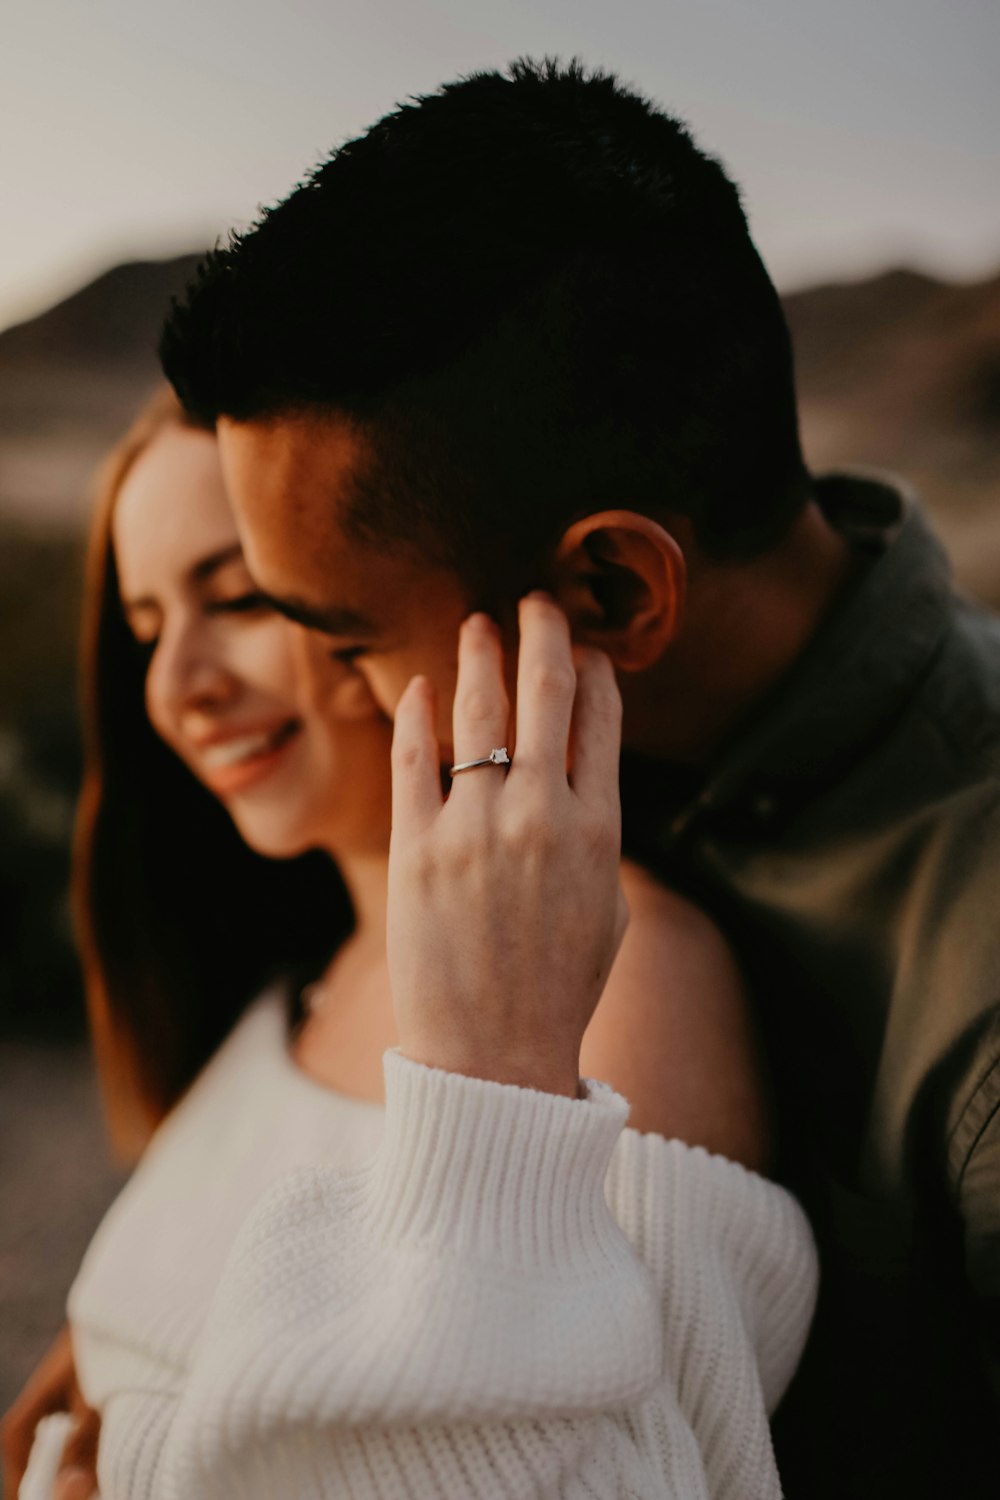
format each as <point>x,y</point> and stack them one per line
<point>537,298</point>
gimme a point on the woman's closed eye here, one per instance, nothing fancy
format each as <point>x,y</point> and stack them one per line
<point>146,639</point>
<point>240,604</point>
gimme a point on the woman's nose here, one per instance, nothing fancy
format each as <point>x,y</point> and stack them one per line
<point>188,675</point>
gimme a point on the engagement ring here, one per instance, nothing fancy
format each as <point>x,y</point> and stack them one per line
<point>495,758</point>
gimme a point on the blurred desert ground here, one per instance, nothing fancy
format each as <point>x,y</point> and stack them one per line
<point>901,372</point>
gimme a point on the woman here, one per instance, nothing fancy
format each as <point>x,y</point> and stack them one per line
<point>524,1374</point>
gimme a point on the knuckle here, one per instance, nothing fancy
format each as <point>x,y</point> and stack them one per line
<point>464,853</point>
<point>531,832</point>
<point>531,785</point>
<point>599,837</point>
<point>605,712</point>
<point>479,705</point>
<point>553,683</point>
<point>603,693</point>
<point>408,755</point>
<point>437,863</point>
<point>423,864</point>
<point>597,674</point>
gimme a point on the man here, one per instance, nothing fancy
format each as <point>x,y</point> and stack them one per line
<point>516,336</point>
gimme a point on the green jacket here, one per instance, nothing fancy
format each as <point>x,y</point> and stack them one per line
<point>849,844</point>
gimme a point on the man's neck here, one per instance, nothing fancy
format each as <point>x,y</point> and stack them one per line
<point>745,626</point>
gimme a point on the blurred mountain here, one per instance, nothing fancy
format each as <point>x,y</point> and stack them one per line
<point>903,372</point>
<point>71,380</point>
<point>114,319</point>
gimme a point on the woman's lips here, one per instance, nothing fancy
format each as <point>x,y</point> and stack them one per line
<point>233,764</point>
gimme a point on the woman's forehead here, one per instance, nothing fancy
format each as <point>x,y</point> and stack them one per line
<point>171,511</point>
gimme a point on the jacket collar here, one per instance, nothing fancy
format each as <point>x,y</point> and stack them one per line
<point>848,685</point>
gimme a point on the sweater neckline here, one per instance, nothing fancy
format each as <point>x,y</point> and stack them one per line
<point>277,999</point>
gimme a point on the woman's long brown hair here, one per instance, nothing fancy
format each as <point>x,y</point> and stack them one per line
<point>179,923</point>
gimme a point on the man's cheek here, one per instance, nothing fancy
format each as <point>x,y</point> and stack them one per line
<point>386,683</point>
<point>388,678</point>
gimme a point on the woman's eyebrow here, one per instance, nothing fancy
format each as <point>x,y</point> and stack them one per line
<point>199,572</point>
<point>215,560</point>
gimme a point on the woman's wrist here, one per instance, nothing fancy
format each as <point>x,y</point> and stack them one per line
<point>526,1067</point>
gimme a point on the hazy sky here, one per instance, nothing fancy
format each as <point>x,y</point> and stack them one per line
<point>863,131</point>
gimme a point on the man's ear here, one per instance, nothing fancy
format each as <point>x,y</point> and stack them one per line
<point>620,578</point>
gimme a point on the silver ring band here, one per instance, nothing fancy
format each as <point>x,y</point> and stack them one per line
<point>495,758</point>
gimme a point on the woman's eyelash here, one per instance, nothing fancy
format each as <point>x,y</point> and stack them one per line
<point>242,604</point>
<point>347,654</point>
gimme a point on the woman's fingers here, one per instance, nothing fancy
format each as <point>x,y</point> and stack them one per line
<point>50,1388</point>
<point>546,687</point>
<point>18,1436</point>
<point>481,711</point>
<point>77,1476</point>
<point>416,771</point>
<point>597,732</point>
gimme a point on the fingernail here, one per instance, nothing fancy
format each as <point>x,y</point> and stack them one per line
<point>541,595</point>
<point>479,621</point>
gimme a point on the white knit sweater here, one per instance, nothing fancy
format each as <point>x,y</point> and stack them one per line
<point>482,1291</point>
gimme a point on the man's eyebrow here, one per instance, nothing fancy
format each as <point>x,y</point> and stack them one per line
<point>334,620</point>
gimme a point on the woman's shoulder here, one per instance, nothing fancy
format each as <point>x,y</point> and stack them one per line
<point>247,1119</point>
<point>674,1030</point>
<point>246,1053</point>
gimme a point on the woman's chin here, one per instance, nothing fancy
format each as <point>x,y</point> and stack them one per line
<point>270,837</point>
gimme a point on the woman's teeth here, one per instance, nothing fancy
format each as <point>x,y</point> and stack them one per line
<point>246,747</point>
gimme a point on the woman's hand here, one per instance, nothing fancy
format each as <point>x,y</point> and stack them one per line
<point>505,910</point>
<point>52,1388</point>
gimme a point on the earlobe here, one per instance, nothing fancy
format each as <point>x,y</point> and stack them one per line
<point>620,577</point>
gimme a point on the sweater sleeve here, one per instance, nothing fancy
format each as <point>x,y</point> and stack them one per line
<point>515,1298</point>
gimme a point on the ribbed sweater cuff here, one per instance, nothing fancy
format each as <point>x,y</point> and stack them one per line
<point>505,1174</point>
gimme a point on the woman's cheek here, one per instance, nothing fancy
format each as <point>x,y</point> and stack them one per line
<point>271,662</point>
<point>156,709</point>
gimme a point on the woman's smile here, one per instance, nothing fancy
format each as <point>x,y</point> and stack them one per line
<point>231,761</point>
